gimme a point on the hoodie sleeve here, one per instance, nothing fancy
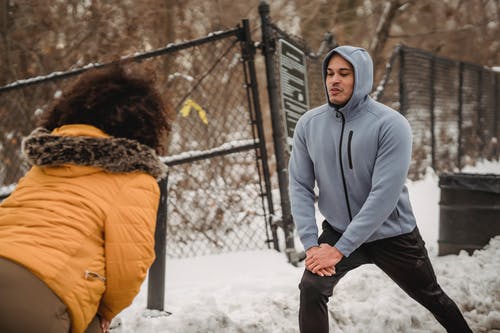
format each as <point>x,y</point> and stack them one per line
<point>389,175</point>
<point>302,180</point>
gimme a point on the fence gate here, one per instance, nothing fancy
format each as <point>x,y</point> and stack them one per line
<point>219,196</point>
<point>219,191</point>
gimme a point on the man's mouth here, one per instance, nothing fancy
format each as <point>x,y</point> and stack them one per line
<point>335,91</point>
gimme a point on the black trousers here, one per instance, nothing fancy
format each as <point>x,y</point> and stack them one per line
<point>403,258</point>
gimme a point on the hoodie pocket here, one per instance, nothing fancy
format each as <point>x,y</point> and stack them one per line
<point>349,153</point>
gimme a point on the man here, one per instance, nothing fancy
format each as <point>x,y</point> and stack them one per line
<point>358,152</point>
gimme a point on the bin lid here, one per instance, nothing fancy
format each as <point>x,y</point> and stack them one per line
<point>471,181</point>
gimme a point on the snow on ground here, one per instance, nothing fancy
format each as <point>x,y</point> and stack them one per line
<point>256,291</point>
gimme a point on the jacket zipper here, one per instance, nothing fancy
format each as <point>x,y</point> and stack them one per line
<point>349,149</point>
<point>342,166</point>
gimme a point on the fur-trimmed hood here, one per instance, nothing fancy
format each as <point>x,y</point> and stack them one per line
<point>116,155</point>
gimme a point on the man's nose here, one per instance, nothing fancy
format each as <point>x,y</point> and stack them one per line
<point>335,79</point>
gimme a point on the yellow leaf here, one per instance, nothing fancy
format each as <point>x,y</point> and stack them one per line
<point>186,109</point>
<point>203,116</point>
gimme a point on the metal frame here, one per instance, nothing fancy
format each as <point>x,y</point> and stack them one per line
<point>279,136</point>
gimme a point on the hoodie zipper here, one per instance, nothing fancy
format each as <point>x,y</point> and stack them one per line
<point>349,149</point>
<point>342,165</point>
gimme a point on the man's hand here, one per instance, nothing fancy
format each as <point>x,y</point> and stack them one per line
<point>322,259</point>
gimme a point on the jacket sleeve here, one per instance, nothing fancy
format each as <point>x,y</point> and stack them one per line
<point>388,178</point>
<point>301,187</point>
<point>129,243</point>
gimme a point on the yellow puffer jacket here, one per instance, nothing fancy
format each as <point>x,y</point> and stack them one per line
<point>83,218</point>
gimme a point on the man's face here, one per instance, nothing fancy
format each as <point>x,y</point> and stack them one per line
<point>339,80</point>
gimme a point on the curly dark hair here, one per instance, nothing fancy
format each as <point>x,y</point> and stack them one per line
<point>119,102</point>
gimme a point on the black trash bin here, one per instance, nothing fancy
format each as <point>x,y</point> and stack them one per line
<point>469,211</point>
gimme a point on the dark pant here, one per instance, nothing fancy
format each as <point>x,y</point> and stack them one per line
<point>28,305</point>
<point>403,258</point>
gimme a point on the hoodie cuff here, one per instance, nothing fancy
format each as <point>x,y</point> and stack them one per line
<point>345,246</point>
<point>309,241</point>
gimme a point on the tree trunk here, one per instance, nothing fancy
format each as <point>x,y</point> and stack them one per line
<point>381,33</point>
<point>5,54</point>
<point>169,30</point>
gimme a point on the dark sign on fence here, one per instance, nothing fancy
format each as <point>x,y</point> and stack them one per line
<point>294,92</point>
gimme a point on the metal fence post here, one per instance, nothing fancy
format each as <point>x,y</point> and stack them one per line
<point>432,111</point>
<point>460,111</point>
<point>480,130</point>
<point>279,137</point>
<point>402,90</point>
<point>496,111</point>
<point>254,103</point>
<point>156,278</point>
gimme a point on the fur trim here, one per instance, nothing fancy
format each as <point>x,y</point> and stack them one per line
<point>117,155</point>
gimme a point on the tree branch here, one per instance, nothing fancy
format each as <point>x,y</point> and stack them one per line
<point>383,27</point>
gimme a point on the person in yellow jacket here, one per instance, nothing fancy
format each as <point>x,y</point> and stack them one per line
<point>77,233</point>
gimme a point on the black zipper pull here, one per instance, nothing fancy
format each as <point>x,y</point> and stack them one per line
<point>349,153</point>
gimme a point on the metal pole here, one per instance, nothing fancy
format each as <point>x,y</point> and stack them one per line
<point>496,111</point>
<point>480,130</point>
<point>460,107</point>
<point>402,92</point>
<point>433,116</point>
<point>280,146</point>
<point>248,56</point>
<point>156,278</point>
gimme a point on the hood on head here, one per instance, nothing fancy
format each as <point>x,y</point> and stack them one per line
<point>363,72</point>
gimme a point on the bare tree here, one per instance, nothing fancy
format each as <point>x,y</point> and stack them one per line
<point>384,25</point>
<point>40,36</point>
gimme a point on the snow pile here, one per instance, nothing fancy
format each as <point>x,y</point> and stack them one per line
<point>257,291</point>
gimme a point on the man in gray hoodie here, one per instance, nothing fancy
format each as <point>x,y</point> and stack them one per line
<point>357,151</point>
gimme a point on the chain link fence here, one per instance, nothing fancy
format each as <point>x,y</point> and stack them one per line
<point>218,197</point>
<point>214,204</point>
<point>18,110</point>
<point>453,108</point>
<point>219,187</point>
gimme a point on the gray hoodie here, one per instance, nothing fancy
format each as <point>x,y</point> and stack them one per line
<point>358,155</point>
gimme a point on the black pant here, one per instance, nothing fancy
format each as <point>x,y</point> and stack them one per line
<point>403,258</point>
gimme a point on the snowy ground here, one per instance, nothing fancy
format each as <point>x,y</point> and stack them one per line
<point>257,291</point>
